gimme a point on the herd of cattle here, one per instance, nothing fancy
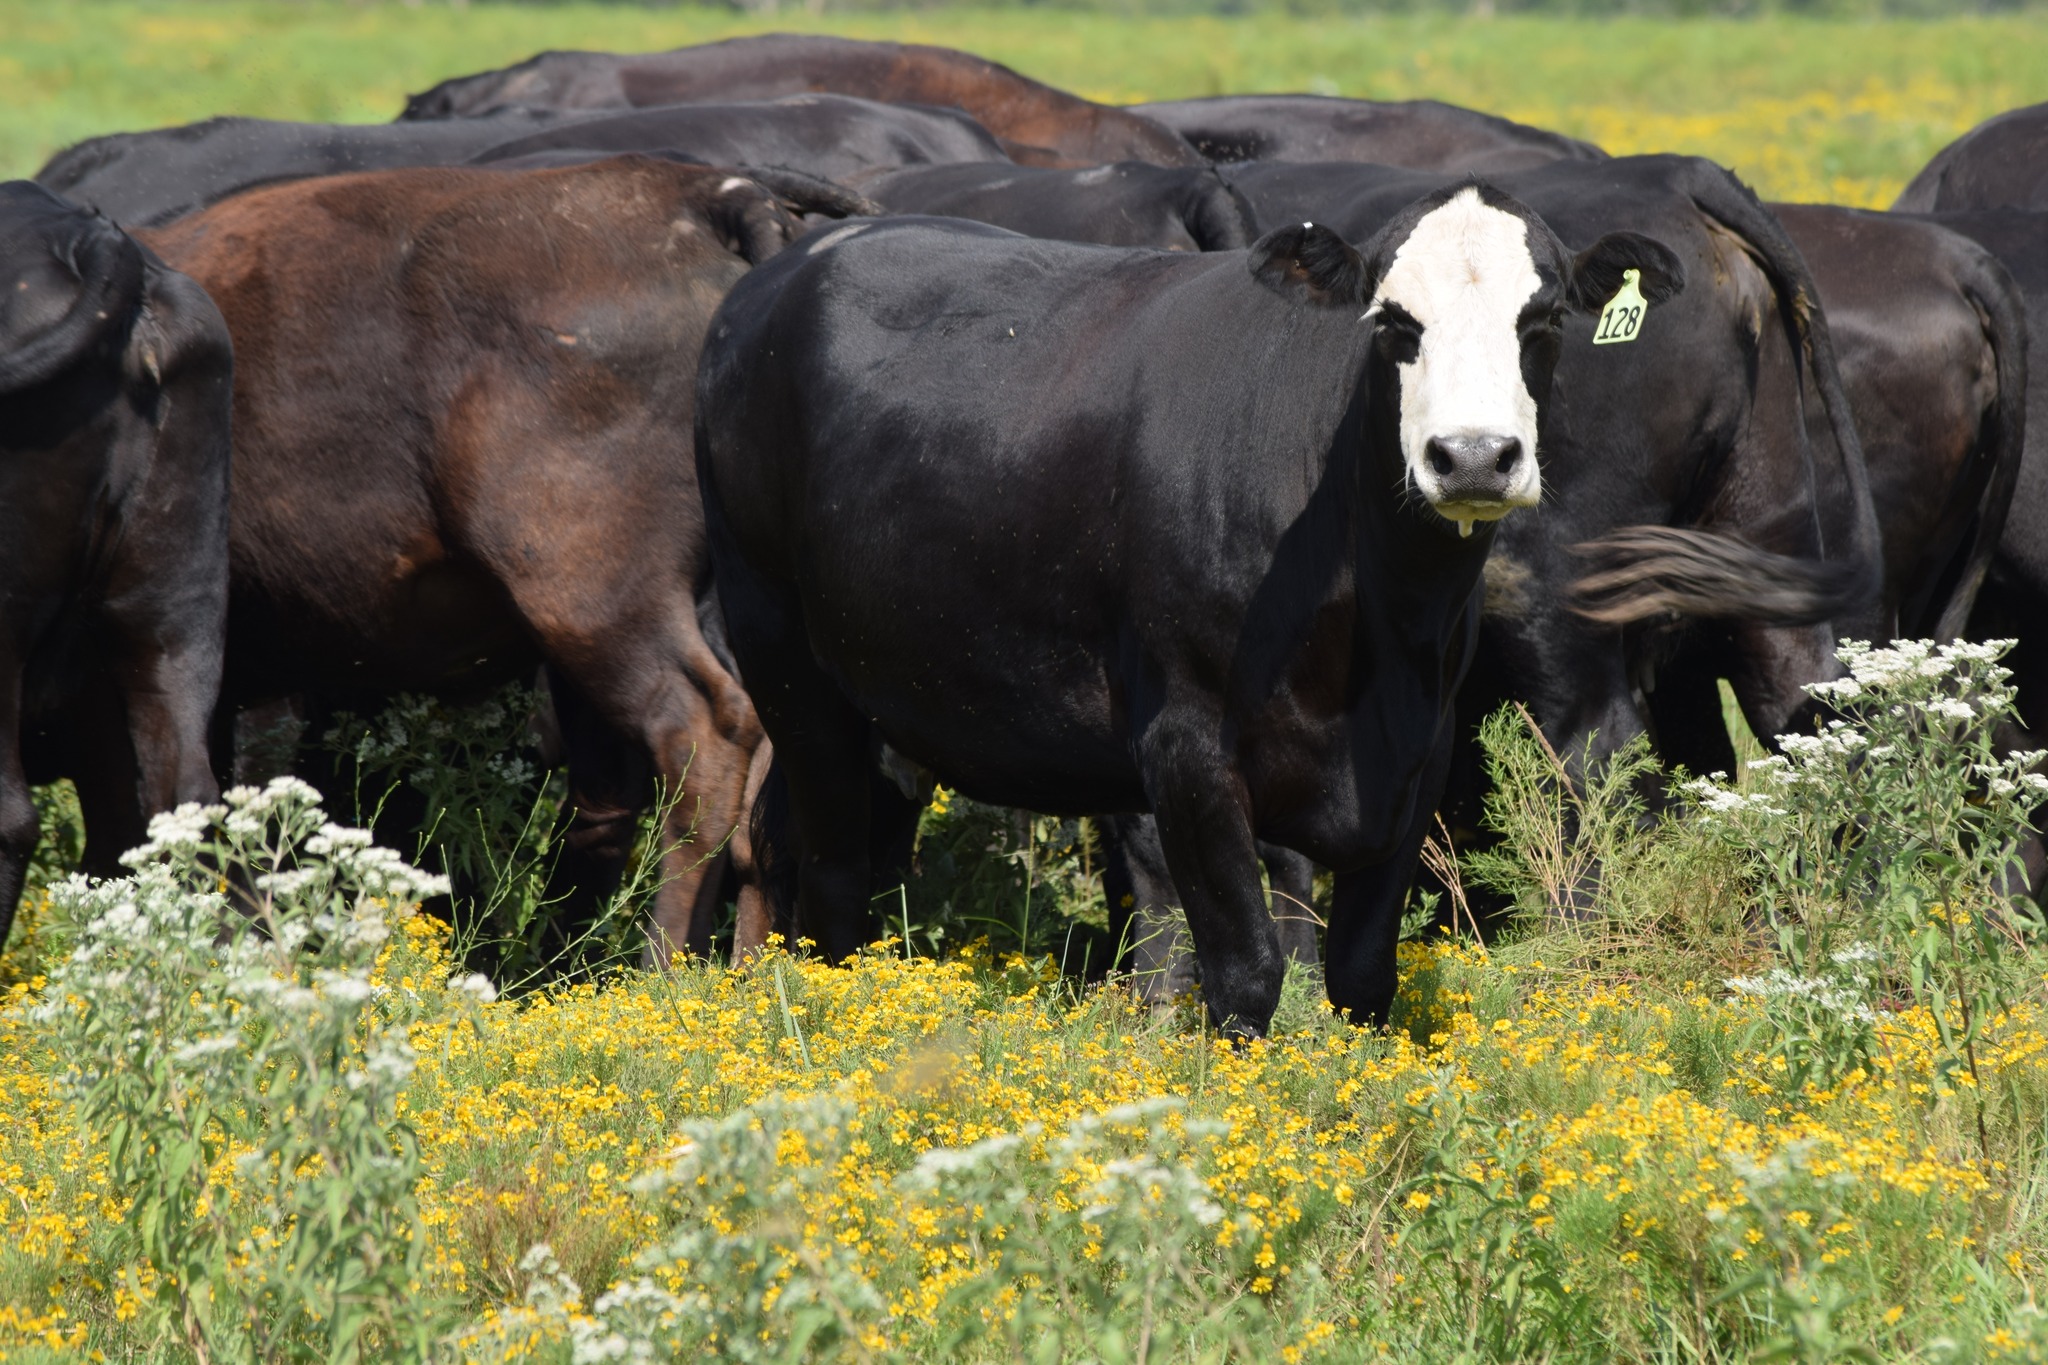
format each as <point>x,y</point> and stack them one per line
<point>824,416</point>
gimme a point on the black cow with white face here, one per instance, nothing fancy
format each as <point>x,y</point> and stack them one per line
<point>114,392</point>
<point>1082,529</point>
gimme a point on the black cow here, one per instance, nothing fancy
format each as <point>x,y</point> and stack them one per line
<point>2001,163</point>
<point>145,179</point>
<point>1082,529</point>
<point>1697,430</point>
<point>1420,134</point>
<point>2014,600</point>
<point>833,136</point>
<point>1037,124</point>
<point>1931,332</point>
<point>1130,203</point>
<point>114,388</point>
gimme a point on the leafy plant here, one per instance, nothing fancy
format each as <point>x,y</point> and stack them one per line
<point>1472,1230</point>
<point>225,1037</point>
<point>1029,884</point>
<point>491,815</point>
<point>1884,847</point>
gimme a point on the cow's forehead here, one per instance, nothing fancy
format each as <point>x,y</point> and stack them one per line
<point>1463,254</point>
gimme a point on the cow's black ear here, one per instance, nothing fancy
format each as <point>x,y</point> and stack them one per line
<point>1312,262</point>
<point>1597,273</point>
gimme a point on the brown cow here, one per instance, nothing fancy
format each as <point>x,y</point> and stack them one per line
<point>1043,126</point>
<point>463,412</point>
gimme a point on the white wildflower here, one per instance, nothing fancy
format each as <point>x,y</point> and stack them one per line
<point>475,985</point>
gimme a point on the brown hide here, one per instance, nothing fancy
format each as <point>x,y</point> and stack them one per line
<point>1044,126</point>
<point>462,446</point>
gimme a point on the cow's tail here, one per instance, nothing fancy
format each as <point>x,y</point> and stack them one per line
<point>1644,571</point>
<point>1217,215</point>
<point>2002,436</point>
<point>109,268</point>
<point>1857,579</point>
<point>801,193</point>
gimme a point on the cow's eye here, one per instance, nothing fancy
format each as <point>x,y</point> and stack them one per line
<point>1398,334</point>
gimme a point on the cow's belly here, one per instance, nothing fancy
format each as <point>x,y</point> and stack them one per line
<point>443,626</point>
<point>1005,696</point>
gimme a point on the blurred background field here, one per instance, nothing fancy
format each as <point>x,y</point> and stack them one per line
<point>1840,108</point>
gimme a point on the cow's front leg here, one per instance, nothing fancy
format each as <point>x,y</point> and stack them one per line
<point>140,736</point>
<point>1206,831</point>
<point>1365,917</point>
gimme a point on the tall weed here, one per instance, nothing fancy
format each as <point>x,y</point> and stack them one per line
<point>226,1041</point>
<point>1883,849</point>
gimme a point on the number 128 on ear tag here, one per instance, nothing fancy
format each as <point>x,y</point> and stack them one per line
<point>1622,318</point>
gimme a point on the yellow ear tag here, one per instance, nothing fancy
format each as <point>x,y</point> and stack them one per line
<point>1622,318</point>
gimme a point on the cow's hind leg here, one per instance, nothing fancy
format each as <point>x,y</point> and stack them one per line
<point>609,779</point>
<point>18,825</point>
<point>1206,833</point>
<point>754,908</point>
<point>701,774</point>
<point>1144,917</point>
<point>816,808</point>
<point>634,668</point>
<point>1291,877</point>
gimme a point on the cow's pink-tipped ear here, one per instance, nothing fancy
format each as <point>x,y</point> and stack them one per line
<point>1309,261</point>
<point>1598,271</point>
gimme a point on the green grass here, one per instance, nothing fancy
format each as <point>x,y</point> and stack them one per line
<point>1803,108</point>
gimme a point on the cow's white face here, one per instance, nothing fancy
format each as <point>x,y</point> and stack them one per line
<point>1451,306</point>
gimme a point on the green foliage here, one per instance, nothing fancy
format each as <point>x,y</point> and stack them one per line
<point>1593,870</point>
<point>1905,813</point>
<point>491,816</point>
<point>1096,1245</point>
<point>62,825</point>
<point>1094,1242</point>
<point>1798,1307</point>
<point>1473,1235</point>
<point>217,1011</point>
<point>1028,884</point>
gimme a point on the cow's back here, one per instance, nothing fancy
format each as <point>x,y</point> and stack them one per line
<point>1418,134</point>
<point>831,136</point>
<point>1130,203</point>
<point>143,179</point>
<point>1016,108</point>
<point>2001,163</point>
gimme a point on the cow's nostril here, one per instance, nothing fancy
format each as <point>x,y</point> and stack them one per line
<point>1441,461</point>
<point>1509,454</point>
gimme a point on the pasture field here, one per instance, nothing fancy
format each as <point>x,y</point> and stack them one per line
<point>1773,1094</point>
<point>1803,109</point>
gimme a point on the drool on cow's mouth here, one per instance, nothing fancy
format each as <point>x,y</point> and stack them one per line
<point>1464,513</point>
